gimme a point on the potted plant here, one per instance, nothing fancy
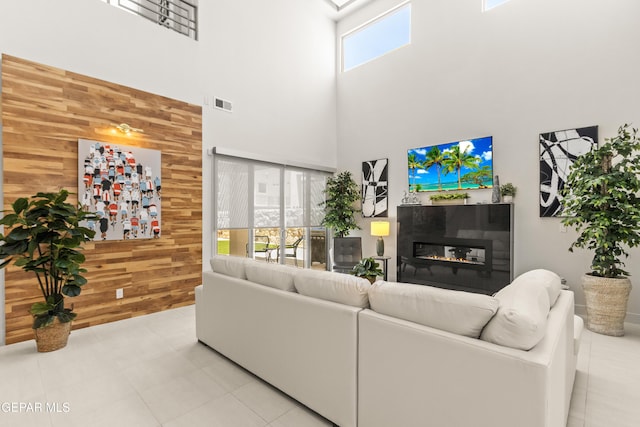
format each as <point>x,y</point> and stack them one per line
<point>508,192</point>
<point>448,198</point>
<point>367,268</point>
<point>44,237</point>
<point>341,193</point>
<point>601,203</point>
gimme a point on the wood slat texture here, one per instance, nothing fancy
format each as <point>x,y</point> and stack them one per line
<point>45,110</point>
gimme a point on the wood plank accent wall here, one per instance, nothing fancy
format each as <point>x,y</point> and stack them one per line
<point>45,111</point>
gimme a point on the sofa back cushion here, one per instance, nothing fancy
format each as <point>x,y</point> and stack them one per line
<point>273,275</point>
<point>461,313</point>
<point>229,266</point>
<point>549,280</point>
<point>521,320</point>
<point>336,287</point>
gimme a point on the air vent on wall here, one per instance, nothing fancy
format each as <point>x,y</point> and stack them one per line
<point>221,104</point>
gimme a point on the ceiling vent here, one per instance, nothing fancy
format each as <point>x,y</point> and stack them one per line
<point>221,104</point>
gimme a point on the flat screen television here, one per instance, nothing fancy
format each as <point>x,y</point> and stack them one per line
<point>458,165</point>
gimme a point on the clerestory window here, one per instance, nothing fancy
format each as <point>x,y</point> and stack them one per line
<point>490,4</point>
<point>384,34</point>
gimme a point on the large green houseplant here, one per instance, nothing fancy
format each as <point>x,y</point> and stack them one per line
<point>341,193</point>
<point>44,236</point>
<point>601,202</point>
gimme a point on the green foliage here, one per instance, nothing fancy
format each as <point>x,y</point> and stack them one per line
<point>367,267</point>
<point>478,176</point>
<point>341,194</point>
<point>45,238</point>
<point>457,159</point>
<point>435,157</point>
<point>449,196</point>
<point>601,201</point>
<point>508,189</point>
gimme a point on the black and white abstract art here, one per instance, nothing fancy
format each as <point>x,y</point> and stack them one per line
<point>558,151</point>
<point>375,195</point>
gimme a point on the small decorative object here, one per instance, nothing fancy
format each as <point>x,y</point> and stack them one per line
<point>449,198</point>
<point>375,188</point>
<point>507,191</point>
<point>558,150</point>
<point>342,193</point>
<point>601,201</point>
<point>380,229</point>
<point>367,268</point>
<point>495,192</point>
<point>45,238</point>
<point>410,199</point>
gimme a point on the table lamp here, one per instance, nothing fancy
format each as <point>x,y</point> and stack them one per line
<point>380,229</point>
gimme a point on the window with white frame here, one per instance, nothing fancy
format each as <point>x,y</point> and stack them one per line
<point>384,34</point>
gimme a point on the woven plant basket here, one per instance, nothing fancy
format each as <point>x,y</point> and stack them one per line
<point>52,337</point>
<point>606,300</point>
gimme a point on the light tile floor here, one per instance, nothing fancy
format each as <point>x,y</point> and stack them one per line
<point>151,371</point>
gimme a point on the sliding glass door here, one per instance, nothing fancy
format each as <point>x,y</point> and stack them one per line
<point>269,212</point>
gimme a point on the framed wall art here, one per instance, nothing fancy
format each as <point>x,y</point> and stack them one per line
<point>375,194</point>
<point>122,185</point>
<point>558,151</point>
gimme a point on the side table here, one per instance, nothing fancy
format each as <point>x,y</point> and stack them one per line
<point>385,264</point>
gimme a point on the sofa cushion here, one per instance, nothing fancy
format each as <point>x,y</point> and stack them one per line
<point>521,320</point>
<point>336,287</point>
<point>549,280</point>
<point>272,275</point>
<point>229,266</point>
<point>461,313</point>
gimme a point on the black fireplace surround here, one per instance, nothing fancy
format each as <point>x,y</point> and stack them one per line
<point>460,247</point>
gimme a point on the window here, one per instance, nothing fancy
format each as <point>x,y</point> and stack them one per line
<point>378,37</point>
<point>178,15</point>
<point>269,212</point>
<point>490,4</point>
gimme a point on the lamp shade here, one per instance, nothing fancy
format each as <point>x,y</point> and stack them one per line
<point>379,228</point>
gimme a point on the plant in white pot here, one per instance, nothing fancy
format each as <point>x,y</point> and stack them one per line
<point>508,192</point>
<point>601,202</point>
<point>45,237</point>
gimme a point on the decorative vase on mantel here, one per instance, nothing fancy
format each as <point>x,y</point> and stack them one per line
<point>495,192</point>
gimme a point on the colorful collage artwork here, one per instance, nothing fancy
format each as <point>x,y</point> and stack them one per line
<point>122,185</point>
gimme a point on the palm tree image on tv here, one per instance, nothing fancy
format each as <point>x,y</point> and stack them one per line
<point>460,165</point>
<point>480,176</point>
<point>435,158</point>
<point>414,165</point>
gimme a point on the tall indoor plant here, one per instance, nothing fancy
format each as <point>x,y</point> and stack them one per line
<point>339,206</point>
<point>341,195</point>
<point>44,237</point>
<point>601,202</point>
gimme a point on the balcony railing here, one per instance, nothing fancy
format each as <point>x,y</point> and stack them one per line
<point>178,15</point>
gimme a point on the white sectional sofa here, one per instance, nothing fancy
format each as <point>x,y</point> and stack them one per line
<point>396,354</point>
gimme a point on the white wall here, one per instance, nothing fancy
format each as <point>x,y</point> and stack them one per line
<point>274,60</point>
<point>526,67</point>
